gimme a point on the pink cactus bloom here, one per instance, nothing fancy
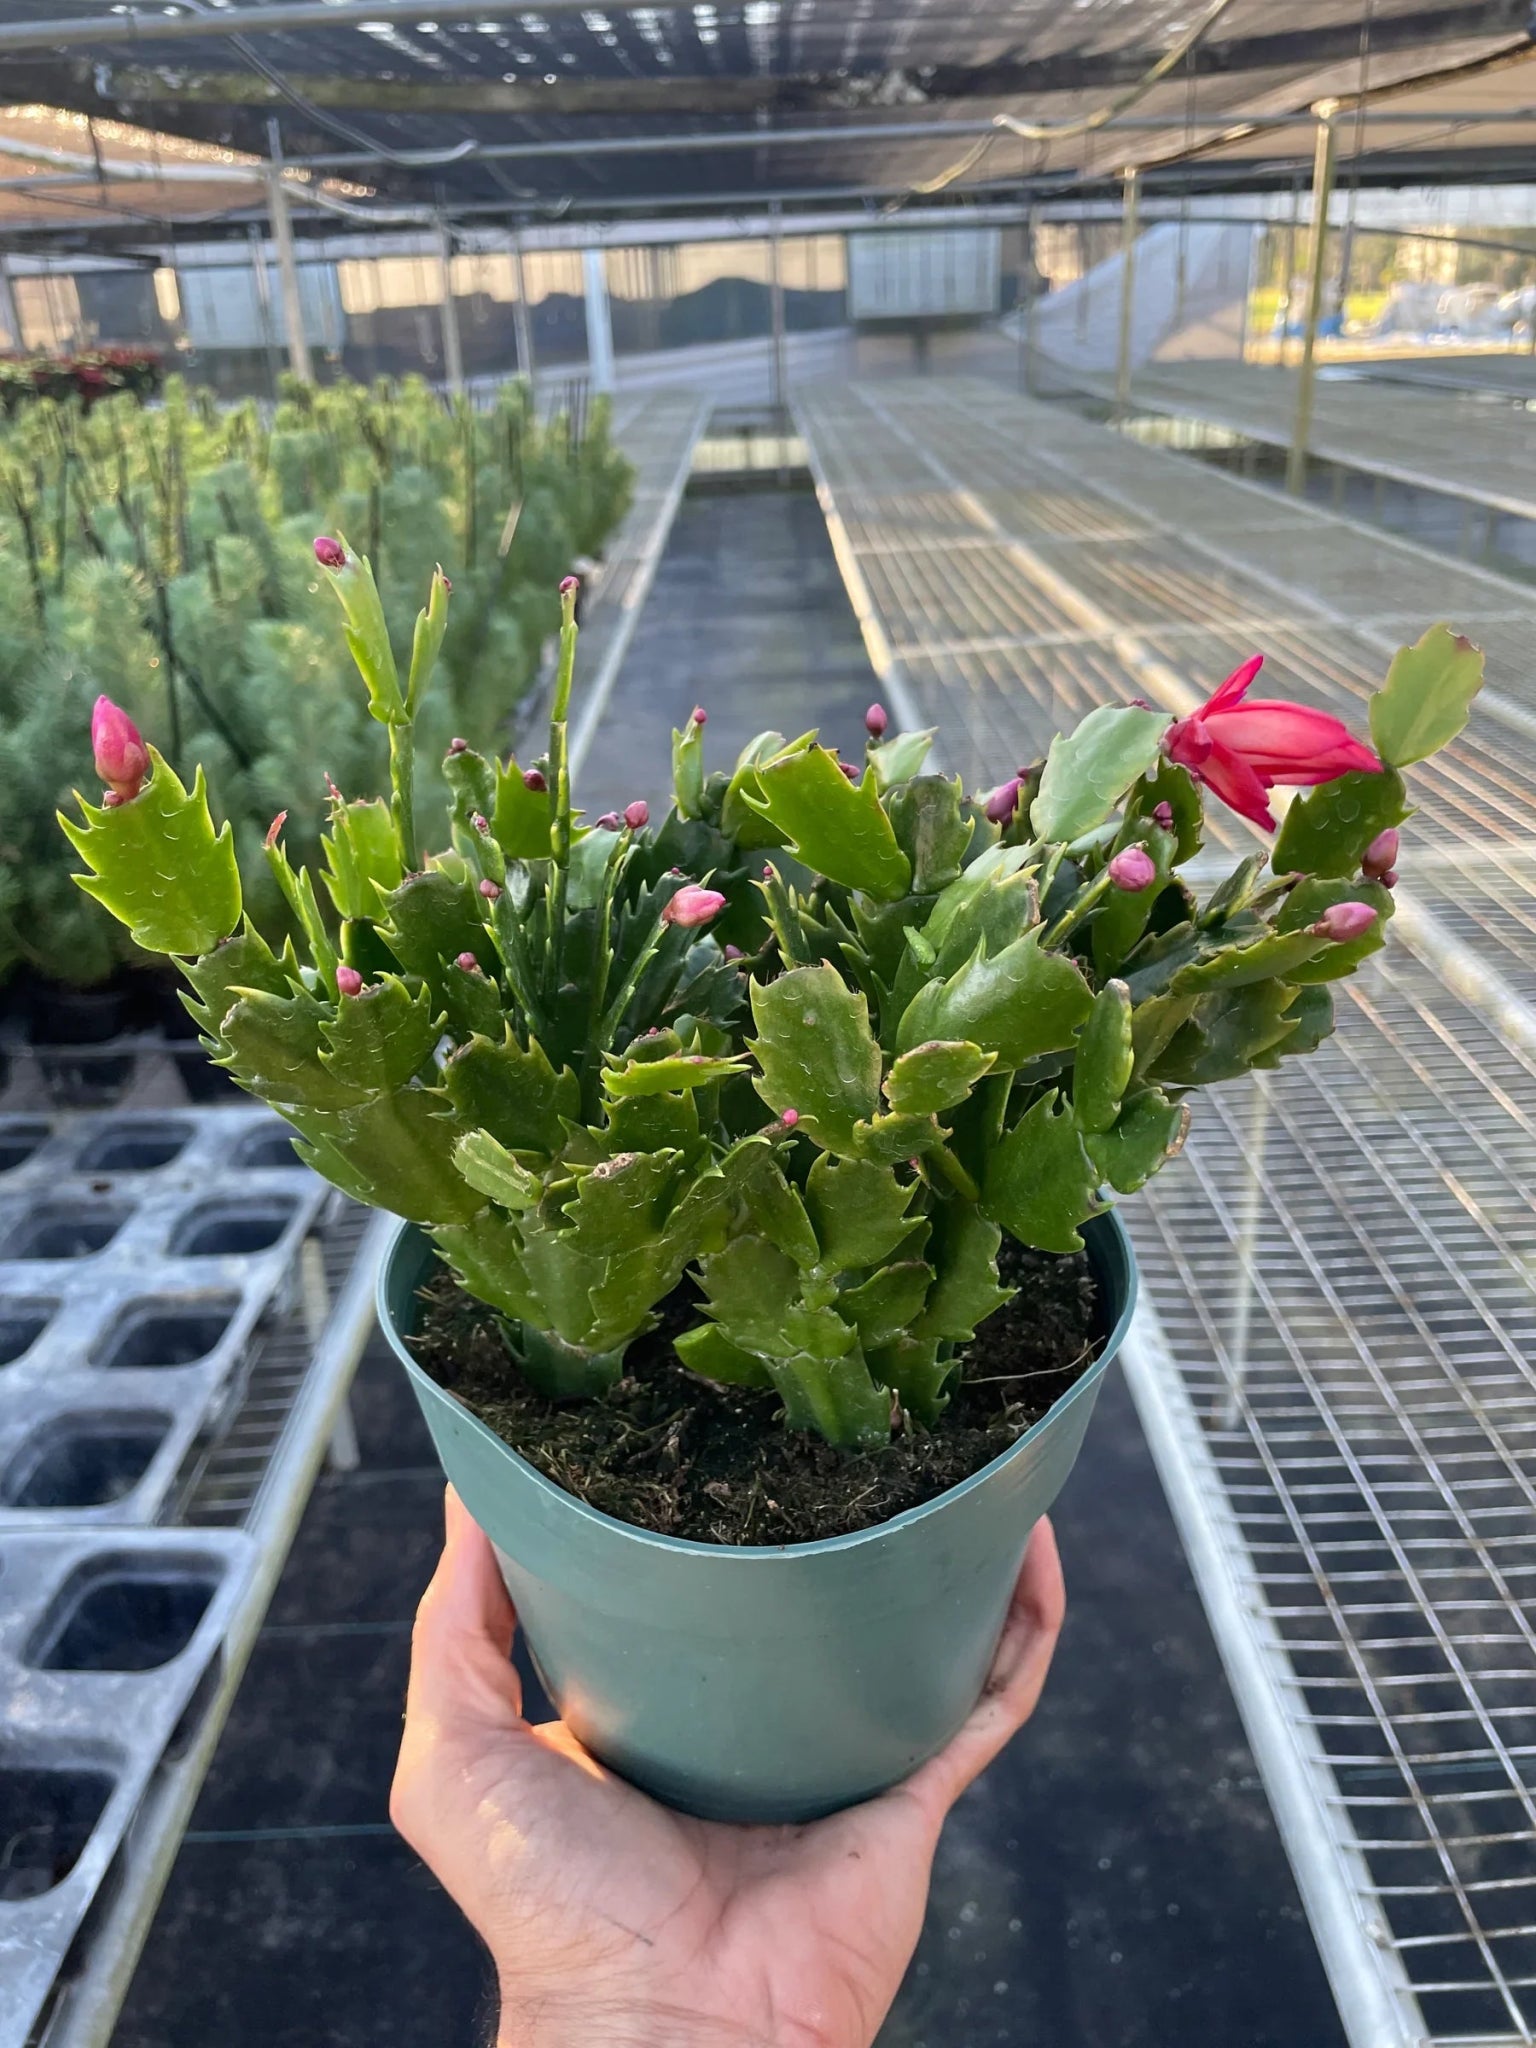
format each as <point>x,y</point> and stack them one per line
<point>693,905</point>
<point>330,554</point>
<point>122,759</point>
<point>637,814</point>
<point>1380,858</point>
<point>1344,921</point>
<point>1241,750</point>
<point>1133,869</point>
<point>875,721</point>
<point>348,981</point>
<point>1003,801</point>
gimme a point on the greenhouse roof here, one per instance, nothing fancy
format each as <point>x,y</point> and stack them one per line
<point>573,109</point>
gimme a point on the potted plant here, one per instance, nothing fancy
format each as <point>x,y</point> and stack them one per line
<point>755,1165</point>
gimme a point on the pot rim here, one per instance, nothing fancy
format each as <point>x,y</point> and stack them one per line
<point>767,1552</point>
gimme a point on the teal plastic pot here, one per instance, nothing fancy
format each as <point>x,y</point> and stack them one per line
<point>760,1684</point>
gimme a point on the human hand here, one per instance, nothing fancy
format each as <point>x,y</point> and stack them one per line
<point>614,1922</point>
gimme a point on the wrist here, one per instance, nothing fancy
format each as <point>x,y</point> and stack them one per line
<point>548,2025</point>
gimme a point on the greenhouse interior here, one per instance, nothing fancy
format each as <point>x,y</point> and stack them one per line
<point>789,478</point>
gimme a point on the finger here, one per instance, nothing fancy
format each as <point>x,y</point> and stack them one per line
<point>461,1668</point>
<point>1014,1684</point>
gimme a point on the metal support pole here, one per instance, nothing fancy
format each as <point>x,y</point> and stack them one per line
<point>287,262</point>
<point>1129,210</point>
<point>453,347</point>
<point>599,322</point>
<point>1032,300</point>
<point>264,312</point>
<point>1317,263</point>
<point>522,323</point>
<point>776,310</point>
<point>10,318</point>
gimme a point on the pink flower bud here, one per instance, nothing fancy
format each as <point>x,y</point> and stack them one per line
<point>568,584</point>
<point>1133,869</point>
<point>468,962</point>
<point>875,721</point>
<point>637,814</point>
<point>609,822</point>
<point>693,905</point>
<point>1003,802</point>
<point>734,953</point>
<point>330,554</point>
<point>458,746</point>
<point>275,827</point>
<point>122,759</point>
<point>480,822</point>
<point>1344,921</point>
<point>789,1118</point>
<point>849,770</point>
<point>700,715</point>
<point>1388,880</point>
<point>490,890</point>
<point>332,791</point>
<point>447,586</point>
<point>533,778</point>
<point>1162,814</point>
<point>348,981</point>
<point>110,801</point>
<point>1380,857</point>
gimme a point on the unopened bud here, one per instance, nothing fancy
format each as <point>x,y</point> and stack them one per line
<point>332,791</point>
<point>693,905</point>
<point>568,584</point>
<point>734,953</point>
<point>447,585</point>
<point>700,715</point>
<point>1133,869</point>
<point>110,801</point>
<point>1003,802</point>
<point>1344,921</point>
<point>609,822</point>
<point>122,759</point>
<point>468,962</point>
<point>1380,857</point>
<point>1389,879</point>
<point>637,814</point>
<point>533,778</point>
<point>458,746</point>
<point>275,827</point>
<point>849,770</point>
<point>330,554</point>
<point>789,1118</point>
<point>490,890</point>
<point>348,981</point>
<point>480,822</point>
<point>1162,814</point>
<point>875,721</point>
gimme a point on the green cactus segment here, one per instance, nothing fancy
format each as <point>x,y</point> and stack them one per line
<point>1427,697</point>
<point>240,962</point>
<point>816,1053</point>
<point>1106,1056</point>
<point>837,828</point>
<point>362,857</point>
<point>900,758</point>
<point>936,1076</point>
<point>884,1307</point>
<point>1326,830</point>
<point>707,1351</point>
<point>368,636</point>
<point>1148,1132</point>
<point>1306,904</point>
<point>521,817</point>
<point>427,641</point>
<point>662,1077</point>
<point>514,1095</point>
<point>741,812</point>
<point>1168,783</point>
<point>381,1038</point>
<point>1228,1032</point>
<point>486,1254</point>
<point>1279,954</point>
<point>932,828</point>
<point>394,1151</point>
<point>859,1211</point>
<point>1040,1182</point>
<point>489,1167</point>
<point>1089,770</point>
<point>273,1046</point>
<point>965,1289</point>
<point>158,865</point>
<point>688,770</point>
<point>1122,917</point>
<point>432,918</point>
<point>1018,1004</point>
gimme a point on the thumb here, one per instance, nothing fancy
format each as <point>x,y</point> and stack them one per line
<point>461,1669</point>
<point>1014,1686</point>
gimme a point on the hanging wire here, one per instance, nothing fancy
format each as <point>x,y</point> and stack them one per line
<point>1078,124</point>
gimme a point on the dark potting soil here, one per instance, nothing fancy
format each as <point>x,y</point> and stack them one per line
<point>669,1451</point>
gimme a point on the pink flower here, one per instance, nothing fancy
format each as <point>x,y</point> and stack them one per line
<point>609,822</point>
<point>348,981</point>
<point>1242,750</point>
<point>1133,869</point>
<point>1380,857</point>
<point>637,814</point>
<point>875,721</point>
<point>1343,921</point>
<point>122,759</point>
<point>1003,802</point>
<point>693,905</point>
<point>330,554</point>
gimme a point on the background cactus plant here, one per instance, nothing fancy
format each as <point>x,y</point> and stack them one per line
<point>826,1083</point>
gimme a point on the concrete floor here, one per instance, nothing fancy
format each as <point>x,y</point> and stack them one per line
<point>1114,1882</point>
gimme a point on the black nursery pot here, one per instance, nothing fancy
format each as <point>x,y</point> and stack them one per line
<point>752,1683</point>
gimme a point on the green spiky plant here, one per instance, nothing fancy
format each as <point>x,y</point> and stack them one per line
<point>589,1060</point>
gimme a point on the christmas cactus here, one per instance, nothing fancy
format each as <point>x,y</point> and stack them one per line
<point>814,1043</point>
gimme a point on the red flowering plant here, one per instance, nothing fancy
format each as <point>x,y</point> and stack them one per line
<point>819,1039</point>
